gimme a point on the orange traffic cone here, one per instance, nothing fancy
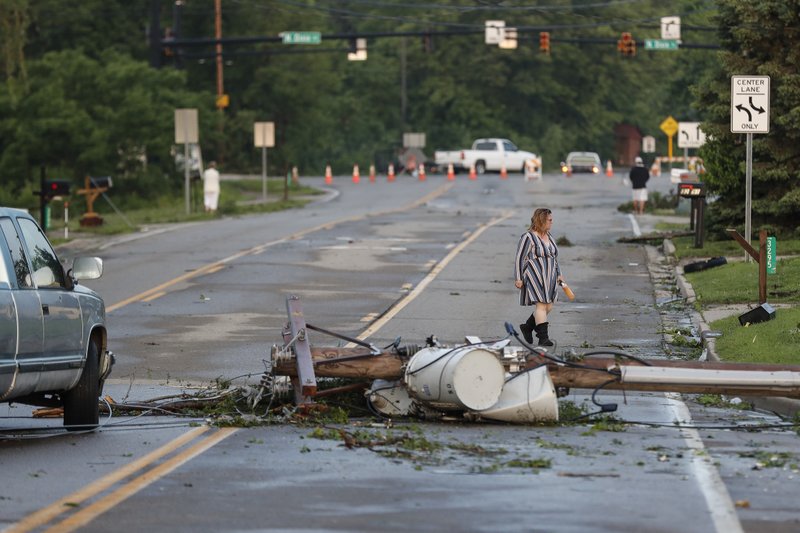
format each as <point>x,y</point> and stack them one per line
<point>451,174</point>
<point>473,175</point>
<point>503,172</point>
<point>421,172</point>
<point>390,173</point>
<point>609,169</point>
<point>372,173</point>
<point>356,176</point>
<point>328,175</point>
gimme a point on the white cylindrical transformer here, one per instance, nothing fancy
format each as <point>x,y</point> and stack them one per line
<point>465,377</point>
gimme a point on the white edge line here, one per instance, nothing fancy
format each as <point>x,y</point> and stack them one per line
<point>718,500</point>
<point>636,231</point>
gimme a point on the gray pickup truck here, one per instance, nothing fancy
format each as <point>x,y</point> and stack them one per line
<point>53,339</point>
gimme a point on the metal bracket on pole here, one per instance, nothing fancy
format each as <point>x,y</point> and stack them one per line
<point>305,384</point>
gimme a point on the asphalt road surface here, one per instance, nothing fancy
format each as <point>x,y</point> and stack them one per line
<point>193,303</point>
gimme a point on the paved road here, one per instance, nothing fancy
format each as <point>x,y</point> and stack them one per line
<point>207,300</point>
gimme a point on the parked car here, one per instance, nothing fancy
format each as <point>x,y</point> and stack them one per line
<point>488,154</point>
<point>586,162</point>
<point>53,336</point>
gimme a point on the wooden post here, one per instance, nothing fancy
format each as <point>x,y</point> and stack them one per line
<point>760,257</point>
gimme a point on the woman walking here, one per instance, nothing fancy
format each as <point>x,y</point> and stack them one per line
<point>536,272</point>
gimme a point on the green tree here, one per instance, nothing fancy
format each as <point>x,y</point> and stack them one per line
<point>83,116</point>
<point>756,40</point>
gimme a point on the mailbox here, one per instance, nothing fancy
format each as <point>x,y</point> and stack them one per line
<point>691,190</point>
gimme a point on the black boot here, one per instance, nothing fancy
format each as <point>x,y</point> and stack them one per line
<point>527,329</point>
<point>541,333</point>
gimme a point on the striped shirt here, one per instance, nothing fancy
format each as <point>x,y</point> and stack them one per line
<point>536,264</point>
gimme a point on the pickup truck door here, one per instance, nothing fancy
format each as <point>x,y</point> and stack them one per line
<point>63,331</point>
<point>511,157</point>
<point>8,326</point>
<point>489,153</point>
<point>20,307</point>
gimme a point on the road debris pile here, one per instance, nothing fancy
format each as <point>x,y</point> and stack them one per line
<point>494,380</point>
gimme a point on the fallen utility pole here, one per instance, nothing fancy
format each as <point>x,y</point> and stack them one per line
<point>693,377</point>
<point>479,378</point>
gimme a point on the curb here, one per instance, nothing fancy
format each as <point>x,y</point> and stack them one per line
<point>786,407</point>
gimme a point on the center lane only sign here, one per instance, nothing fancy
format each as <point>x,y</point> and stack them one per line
<point>750,104</point>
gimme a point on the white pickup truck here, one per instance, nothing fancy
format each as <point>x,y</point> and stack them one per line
<point>490,154</point>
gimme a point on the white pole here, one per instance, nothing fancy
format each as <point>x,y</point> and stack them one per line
<point>66,220</point>
<point>748,202</point>
<point>264,171</point>
<point>186,171</point>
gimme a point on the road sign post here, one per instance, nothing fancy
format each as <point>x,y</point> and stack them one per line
<point>186,132</point>
<point>670,127</point>
<point>749,115</point>
<point>264,137</point>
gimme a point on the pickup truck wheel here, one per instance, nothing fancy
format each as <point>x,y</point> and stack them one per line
<point>81,411</point>
<point>480,167</point>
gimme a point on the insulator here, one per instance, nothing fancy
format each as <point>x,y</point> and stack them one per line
<point>409,349</point>
<point>281,354</point>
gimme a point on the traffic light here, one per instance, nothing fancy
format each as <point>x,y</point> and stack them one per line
<point>53,188</point>
<point>358,50</point>
<point>544,42</point>
<point>626,45</point>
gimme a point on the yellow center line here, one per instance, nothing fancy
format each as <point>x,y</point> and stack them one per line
<point>154,296</point>
<point>428,279</point>
<point>216,265</point>
<point>87,514</point>
<point>47,514</point>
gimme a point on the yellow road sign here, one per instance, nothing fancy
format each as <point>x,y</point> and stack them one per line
<point>669,126</point>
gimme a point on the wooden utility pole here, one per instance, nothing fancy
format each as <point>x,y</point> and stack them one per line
<point>222,98</point>
<point>361,364</point>
<point>218,35</point>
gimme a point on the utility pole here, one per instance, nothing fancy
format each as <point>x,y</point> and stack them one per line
<point>221,98</point>
<point>218,35</point>
<point>403,94</point>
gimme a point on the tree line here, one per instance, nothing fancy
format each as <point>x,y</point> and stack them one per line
<point>81,97</point>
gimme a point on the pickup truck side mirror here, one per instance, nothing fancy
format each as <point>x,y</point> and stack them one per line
<point>87,268</point>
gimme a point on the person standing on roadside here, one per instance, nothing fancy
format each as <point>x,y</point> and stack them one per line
<point>639,176</point>
<point>211,187</point>
<point>536,272</point>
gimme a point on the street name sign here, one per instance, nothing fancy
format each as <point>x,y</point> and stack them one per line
<point>690,135</point>
<point>660,44</point>
<point>750,104</point>
<point>301,37</point>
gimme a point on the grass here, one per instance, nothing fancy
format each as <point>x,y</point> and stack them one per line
<point>738,283</point>
<point>671,226</point>
<point>774,342</point>
<point>237,197</point>
<point>684,247</point>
